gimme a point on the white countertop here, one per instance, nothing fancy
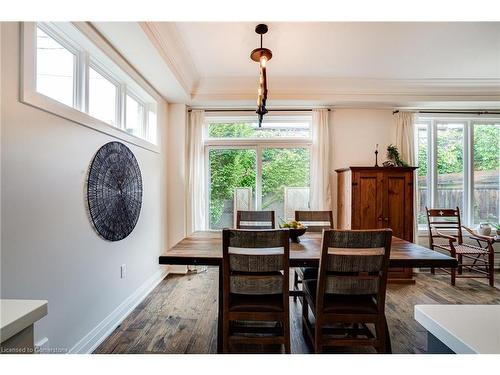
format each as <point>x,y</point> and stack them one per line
<point>463,328</point>
<point>17,314</point>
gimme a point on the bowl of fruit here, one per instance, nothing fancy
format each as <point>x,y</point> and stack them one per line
<point>296,228</point>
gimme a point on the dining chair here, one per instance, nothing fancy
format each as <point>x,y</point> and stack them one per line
<point>479,260</point>
<point>255,220</point>
<point>315,221</point>
<point>350,291</point>
<point>255,287</point>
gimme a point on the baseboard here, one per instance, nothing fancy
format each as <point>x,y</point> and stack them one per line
<point>97,335</point>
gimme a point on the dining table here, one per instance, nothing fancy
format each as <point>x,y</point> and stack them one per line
<point>204,248</point>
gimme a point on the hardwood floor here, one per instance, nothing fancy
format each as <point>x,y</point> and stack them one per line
<point>180,315</point>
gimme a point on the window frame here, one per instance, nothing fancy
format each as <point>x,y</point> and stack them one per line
<point>90,51</point>
<point>468,122</point>
<point>256,144</point>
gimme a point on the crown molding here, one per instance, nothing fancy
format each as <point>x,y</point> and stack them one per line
<point>167,41</point>
<point>349,90</point>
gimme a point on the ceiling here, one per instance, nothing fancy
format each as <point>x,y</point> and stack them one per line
<point>341,50</point>
<point>455,64</point>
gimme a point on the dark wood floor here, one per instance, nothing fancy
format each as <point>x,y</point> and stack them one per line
<point>180,315</point>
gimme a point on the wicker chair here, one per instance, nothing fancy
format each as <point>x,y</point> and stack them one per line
<point>255,220</point>
<point>350,291</point>
<point>479,260</point>
<point>315,221</point>
<point>255,287</point>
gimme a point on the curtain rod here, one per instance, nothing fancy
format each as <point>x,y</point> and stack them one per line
<point>253,110</point>
<point>478,112</point>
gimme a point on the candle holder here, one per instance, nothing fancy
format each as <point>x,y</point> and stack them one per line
<point>376,156</point>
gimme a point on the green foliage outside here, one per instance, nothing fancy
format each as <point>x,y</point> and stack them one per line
<point>450,150</point>
<point>232,168</point>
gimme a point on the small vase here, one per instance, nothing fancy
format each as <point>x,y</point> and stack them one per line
<point>484,229</point>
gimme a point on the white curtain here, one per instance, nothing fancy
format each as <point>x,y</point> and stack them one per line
<point>405,142</point>
<point>320,161</point>
<point>196,174</point>
<point>405,136</point>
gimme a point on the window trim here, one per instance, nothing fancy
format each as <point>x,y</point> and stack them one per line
<point>468,160</point>
<point>30,96</point>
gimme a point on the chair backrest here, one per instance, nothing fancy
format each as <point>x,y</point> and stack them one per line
<point>315,221</point>
<point>443,218</point>
<point>354,262</point>
<point>295,199</point>
<point>255,262</point>
<point>255,220</point>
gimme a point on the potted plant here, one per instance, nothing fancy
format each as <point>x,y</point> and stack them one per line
<point>497,227</point>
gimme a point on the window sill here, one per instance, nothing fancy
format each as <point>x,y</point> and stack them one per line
<point>49,105</point>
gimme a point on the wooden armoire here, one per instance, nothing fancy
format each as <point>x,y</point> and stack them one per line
<point>378,197</point>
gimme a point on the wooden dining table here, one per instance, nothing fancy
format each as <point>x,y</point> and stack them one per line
<point>204,248</point>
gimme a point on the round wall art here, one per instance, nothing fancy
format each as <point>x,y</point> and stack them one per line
<point>114,191</point>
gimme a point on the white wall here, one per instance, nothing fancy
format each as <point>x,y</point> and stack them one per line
<point>354,134</point>
<point>49,247</point>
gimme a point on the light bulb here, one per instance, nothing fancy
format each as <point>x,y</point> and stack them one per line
<point>263,61</point>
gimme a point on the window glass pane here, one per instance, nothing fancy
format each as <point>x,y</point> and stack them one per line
<point>102,98</point>
<point>486,173</point>
<point>152,126</point>
<point>134,117</point>
<point>229,169</point>
<point>422,172</point>
<point>268,130</point>
<point>281,168</point>
<point>450,165</point>
<point>54,69</point>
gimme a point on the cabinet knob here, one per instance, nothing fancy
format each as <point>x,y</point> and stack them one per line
<point>386,219</point>
<point>380,218</point>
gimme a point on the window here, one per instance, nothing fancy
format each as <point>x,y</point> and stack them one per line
<point>55,69</point>
<point>241,157</point>
<point>458,161</point>
<point>134,117</point>
<point>103,95</point>
<point>69,63</point>
<point>486,150</point>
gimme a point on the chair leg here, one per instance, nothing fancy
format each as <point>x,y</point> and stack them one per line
<point>286,334</point>
<point>388,346</point>
<point>295,284</point>
<point>381,336</point>
<point>491,268</point>
<point>433,271</point>
<point>460,261</point>
<point>225,335</point>
<point>318,347</point>
<point>453,276</point>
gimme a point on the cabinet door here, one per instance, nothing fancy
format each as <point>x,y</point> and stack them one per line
<point>398,213</point>
<point>367,200</point>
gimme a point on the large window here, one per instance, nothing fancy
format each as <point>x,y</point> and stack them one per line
<point>63,65</point>
<point>252,168</point>
<point>458,163</point>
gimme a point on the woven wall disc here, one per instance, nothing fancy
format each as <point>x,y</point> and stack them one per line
<point>114,191</point>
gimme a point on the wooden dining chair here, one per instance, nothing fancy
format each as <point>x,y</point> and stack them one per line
<point>256,287</point>
<point>315,221</point>
<point>255,220</point>
<point>469,257</point>
<point>350,291</point>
